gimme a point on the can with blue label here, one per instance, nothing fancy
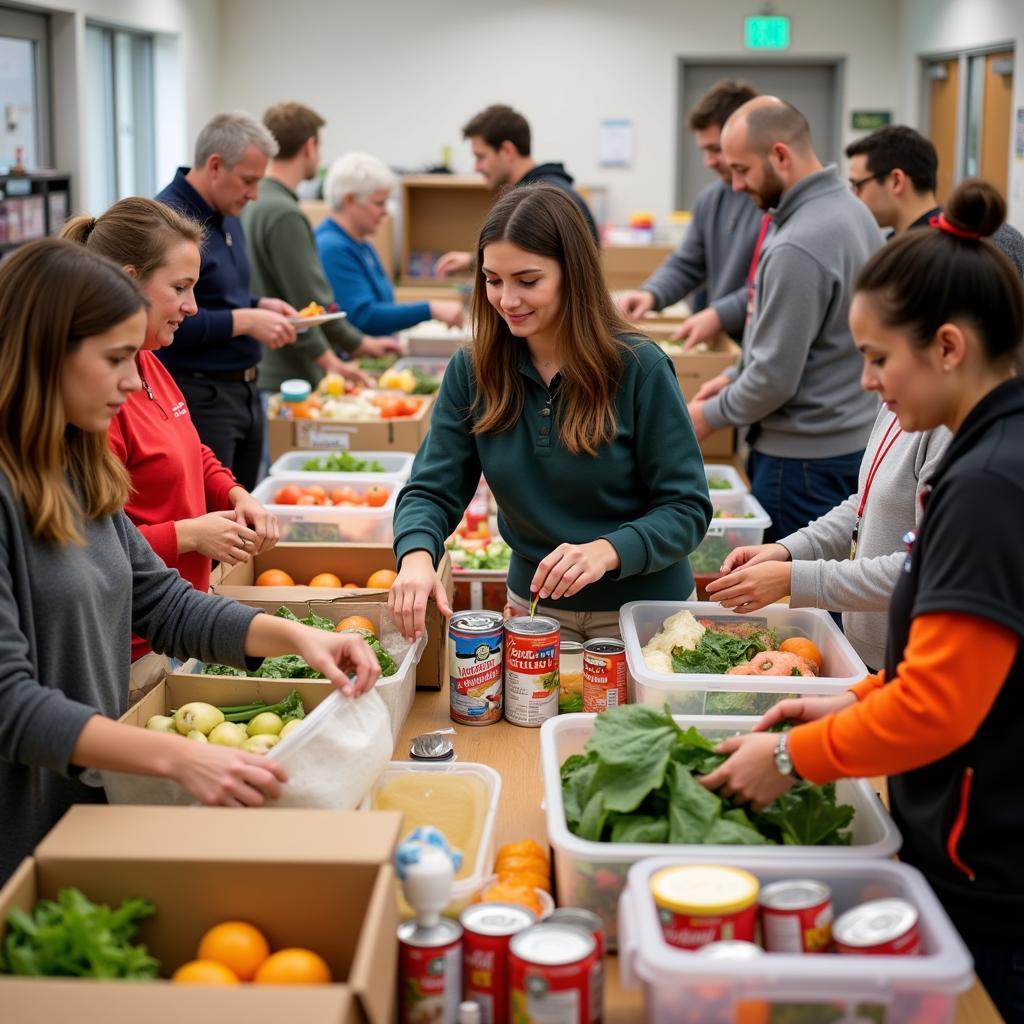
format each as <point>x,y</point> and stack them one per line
<point>475,667</point>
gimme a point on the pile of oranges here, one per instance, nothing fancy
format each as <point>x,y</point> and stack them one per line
<point>236,951</point>
<point>379,580</point>
<point>373,496</point>
<point>522,868</point>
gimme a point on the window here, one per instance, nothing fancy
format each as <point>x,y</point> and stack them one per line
<point>121,154</point>
<point>24,88</point>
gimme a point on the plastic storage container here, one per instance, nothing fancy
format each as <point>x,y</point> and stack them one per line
<point>331,524</point>
<point>683,987</point>
<point>725,497</point>
<point>397,465</point>
<point>591,874</point>
<point>735,528</point>
<point>717,694</point>
<point>431,366</point>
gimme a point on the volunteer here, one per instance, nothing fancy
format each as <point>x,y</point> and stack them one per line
<point>76,576</point>
<point>578,425</point>
<point>939,318</point>
<point>206,513</point>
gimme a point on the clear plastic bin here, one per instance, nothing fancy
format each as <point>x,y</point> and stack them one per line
<point>735,528</point>
<point>331,524</point>
<point>432,366</point>
<point>716,694</point>
<point>397,465</point>
<point>682,987</point>
<point>592,874</point>
<point>730,497</point>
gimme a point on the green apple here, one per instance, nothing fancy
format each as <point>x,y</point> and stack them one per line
<point>197,715</point>
<point>227,734</point>
<point>260,743</point>
<point>197,736</point>
<point>265,723</point>
<point>290,727</point>
<point>161,723</point>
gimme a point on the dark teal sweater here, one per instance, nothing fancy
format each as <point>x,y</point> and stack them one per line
<point>645,492</point>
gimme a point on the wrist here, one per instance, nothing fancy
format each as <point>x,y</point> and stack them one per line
<point>184,530</point>
<point>419,558</point>
<point>784,758</point>
<point>610,557</point>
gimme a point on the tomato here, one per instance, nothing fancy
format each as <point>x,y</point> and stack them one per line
<point>376,495</point>
<point>307,499</point>
<point>288,495</point>
<point>316,492</point>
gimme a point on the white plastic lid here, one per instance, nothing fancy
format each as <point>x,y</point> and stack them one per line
<point>295,390</point>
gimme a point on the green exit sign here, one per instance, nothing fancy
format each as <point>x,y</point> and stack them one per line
<point>766,32</point>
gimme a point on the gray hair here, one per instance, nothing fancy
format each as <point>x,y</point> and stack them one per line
<point>228,135</point>
<point>359,175</point>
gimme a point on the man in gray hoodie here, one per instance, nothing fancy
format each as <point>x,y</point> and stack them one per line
<point>797,388</point>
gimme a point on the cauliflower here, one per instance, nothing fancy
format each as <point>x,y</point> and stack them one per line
<point>657,661</point>
<point>679,630</point>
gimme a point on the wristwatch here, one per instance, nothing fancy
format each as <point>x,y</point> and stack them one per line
<point>783,761</point>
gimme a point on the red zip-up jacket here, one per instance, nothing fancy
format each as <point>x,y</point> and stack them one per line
<point>174,475</point>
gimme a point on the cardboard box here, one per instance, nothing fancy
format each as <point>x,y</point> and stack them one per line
<point>323,881</point>
<point>628,266</point>
<point>350,562</point>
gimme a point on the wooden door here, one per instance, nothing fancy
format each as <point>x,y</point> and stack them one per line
<point>943,103</point>
<point>996,118</point>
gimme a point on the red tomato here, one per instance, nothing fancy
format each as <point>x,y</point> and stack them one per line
<point>288,495</point>
<point>375,495</point>
<point>316,492</point>
<point>307,499</point>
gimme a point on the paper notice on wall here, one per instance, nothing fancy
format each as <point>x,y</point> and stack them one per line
<point>615,143</point>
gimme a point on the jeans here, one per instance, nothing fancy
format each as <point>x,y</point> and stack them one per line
<point>794,492</point>
<point>1000,968</point>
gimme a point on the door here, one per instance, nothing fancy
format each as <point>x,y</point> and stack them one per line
<point>943,103</point>
<point>811,88</point>
<point>996,118</point>
<point>24,89</point>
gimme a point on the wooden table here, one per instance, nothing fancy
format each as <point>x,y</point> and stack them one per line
<point>515,753</point>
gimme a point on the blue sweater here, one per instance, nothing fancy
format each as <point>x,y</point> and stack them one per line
<point>360,284</point>
<point>203,343</point>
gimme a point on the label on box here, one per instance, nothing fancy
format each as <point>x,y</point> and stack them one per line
<point>312,434</point>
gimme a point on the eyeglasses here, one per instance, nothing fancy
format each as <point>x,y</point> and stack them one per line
<point>856,186</point>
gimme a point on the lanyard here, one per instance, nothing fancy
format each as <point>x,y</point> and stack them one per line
<point>880,453</point>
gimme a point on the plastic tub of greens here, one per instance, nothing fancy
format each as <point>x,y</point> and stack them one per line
<point>730,528</point>
<point>342,464</point>
<point>726,486</point>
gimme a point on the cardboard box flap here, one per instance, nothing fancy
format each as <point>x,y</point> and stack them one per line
<point>376,959</point>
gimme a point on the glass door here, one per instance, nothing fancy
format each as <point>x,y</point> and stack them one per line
<point>24,89</point>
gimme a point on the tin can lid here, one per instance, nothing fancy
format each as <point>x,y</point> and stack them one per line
<point>570,646</point>
<point>476,621</point>
<point>704,889</point>
<point>443,932</point>
<point>604,645</point>
<point>536,626</point>
<point>496,918</point>
<point>730,949</point>
<point>579,916</point>
<point>875,922</point>
<point>794,894</point>
<point>431,746</point>
<point>295,390</point>
<point>552,944</point>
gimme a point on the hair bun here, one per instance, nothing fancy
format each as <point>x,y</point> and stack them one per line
<point>976,205</point>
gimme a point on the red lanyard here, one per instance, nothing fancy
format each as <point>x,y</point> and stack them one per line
<point>876,462</point>
<point>755,259</point>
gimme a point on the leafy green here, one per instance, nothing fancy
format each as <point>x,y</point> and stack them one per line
<point>716,652</point>
<point>341,462</point>
<point>311,533</point>
<point>377,364</point>
<point>723,513</point>
<point>809,816</point>
<point>718,483</point>
<point>710,554</point>
<point>495,555</point>
<point>73,937</point>
<point>426,383</point>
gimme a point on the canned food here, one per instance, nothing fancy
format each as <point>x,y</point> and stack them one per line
<point>589,922</point>
<point>604,674</point>
<point>430,971</point>
<point>731,949</point>
<point>531,670</point>
<point>570,677</point>
<point>550,974</point>
<point>475,667</point>
<point>796,916</point>
<point>881,927</point>
<point>487,930</point>
<point>702,903</point>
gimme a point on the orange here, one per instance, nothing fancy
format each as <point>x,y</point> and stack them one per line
<point>523,848</point>
<point>325,579</point>
<point>535,880</point>
<point>356,622</point>
<point>204,972</point>
<point>514,865</point>
<point>375,495</point>
<point>512,892</point>
<point>293,967</point>
<point>307,499</point>
<point>237,945</point>
<point>352,586</point>
<point>274,578</point>
<point>802,648</point>
<point>317,492</point>
<point>288,495</point>
<point>381,579</point>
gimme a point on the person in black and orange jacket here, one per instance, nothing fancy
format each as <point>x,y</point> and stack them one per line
<point>939,318</point>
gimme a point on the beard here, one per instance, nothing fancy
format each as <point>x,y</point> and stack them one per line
<point>769,194</point>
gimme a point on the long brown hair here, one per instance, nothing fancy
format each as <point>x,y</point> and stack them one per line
<point>53,295</point>
<point>543,220</point>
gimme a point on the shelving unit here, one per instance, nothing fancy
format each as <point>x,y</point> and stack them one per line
<point>32,206</point>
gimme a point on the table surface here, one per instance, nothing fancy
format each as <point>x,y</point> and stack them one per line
<point>515,753</point>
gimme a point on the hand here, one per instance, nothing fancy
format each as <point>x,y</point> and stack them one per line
<point>227,777</point>
<point>697,328</point>
<point>755,554</point>
<point>336,656</point>
<point>571,567</point>
<point>752,587</point>
<point>804,709</point>
<point>710,388</point>
<point>217,535</point>
<point>448,311</point>
<point>249,512</point>
<point>415,584</point>
<point>750,775</point>
<point>635,305</point>
<point>374,348</point>
<point>453,263</point>
<point>277,306</point>
<point>331,364</point>
<point>267,326</point>
<point>701,427</point>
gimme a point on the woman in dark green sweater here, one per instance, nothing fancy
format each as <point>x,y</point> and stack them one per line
<point>577,424</point>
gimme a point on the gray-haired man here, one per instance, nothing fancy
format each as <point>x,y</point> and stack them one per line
<point>215,353</point>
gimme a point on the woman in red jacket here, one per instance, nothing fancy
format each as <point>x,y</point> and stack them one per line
<point>184,501</point>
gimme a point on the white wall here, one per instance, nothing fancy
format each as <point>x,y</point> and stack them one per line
<point>399,79</point>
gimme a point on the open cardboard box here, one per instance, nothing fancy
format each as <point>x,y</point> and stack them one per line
<point>353,562</point>
<point>317,879</point>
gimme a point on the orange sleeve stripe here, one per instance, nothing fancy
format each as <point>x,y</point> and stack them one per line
<point>953,669</point>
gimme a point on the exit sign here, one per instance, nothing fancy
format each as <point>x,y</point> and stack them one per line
<point>766,32</point>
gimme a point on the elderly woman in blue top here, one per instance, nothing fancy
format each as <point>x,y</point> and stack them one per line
<point>357,190</point>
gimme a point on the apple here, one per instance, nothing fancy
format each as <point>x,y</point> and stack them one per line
<point>266,722</point>
<point>197,715</point>
<point>227,734</point>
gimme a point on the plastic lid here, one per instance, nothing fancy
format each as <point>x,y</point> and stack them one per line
<point>704,889</point>
<point>295,390</point>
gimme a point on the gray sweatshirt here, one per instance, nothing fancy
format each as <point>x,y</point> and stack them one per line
<point>823,574</point>
<point>799,378</point>
<point>67,614</point>
<point>716,251</point>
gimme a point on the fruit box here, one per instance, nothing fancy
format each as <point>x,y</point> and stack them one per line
<point>321,880</point>
<point>350,562</point>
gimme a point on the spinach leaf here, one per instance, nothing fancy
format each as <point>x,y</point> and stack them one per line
<point>638,828</point>
<point>716,652</point>
<point>807,815</point>
<point>692,809</point>
<point>594,815</point>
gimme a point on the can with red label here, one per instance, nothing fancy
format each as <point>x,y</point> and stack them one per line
<point>429,972</point>
<point>551,970</point>
<point>531,670</point>
<point>796,916</point>
<point>604,674</point>
<point>702,903</point>
<point>487,931</point>
<point>475,678</point>
<point>881,927</point>
<point>589,922</point>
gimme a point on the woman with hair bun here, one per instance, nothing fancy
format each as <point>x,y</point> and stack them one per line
<point>939,318</point>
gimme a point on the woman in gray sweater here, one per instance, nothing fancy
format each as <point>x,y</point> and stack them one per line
<point>77,578</point>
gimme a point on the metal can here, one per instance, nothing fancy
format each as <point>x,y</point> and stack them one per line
<point>730,949</point>
<point>570,677</point>
<point>796,916</point>
<point>604,674</point>
<point>589,922</point>
<point>531,670</point>
<point>487,930</point>
<point>702,903</point>
<point>475,667</point>
<point>429,972</point>
<point>550,974</point>
<point>881,927</point>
